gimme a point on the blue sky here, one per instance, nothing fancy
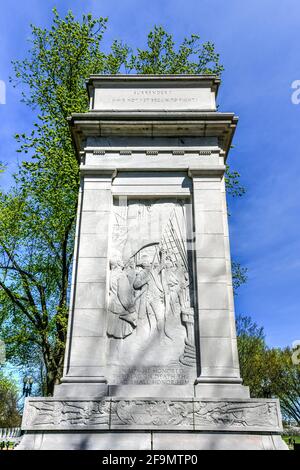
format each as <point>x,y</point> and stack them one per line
<point>259,46</point>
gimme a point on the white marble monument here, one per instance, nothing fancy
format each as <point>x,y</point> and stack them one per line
<point>151,360</point>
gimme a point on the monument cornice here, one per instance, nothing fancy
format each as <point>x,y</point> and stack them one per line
<point>163,79</point>
<point>153,124</point>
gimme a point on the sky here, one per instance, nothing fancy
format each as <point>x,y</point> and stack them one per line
<point>258,42</point>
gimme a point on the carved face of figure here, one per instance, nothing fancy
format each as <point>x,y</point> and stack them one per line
<point>145,262</point>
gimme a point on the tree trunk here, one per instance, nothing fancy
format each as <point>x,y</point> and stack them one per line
<point>54,369</point>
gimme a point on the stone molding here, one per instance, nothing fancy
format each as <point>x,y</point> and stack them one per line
<point>110,413</point>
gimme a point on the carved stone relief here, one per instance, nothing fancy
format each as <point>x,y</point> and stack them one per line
<point>236,414</point>
<point>152,413</point>
<point>151,305</point>
<point>50,413</point>
<point>119,413</point>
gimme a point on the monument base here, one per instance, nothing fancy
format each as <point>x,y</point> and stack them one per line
<point>149,440</point>
<point>115,423</point>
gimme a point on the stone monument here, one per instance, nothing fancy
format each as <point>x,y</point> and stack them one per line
<point>151,359</point>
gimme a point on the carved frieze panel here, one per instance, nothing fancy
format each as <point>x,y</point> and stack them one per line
<point>236,415</point>
<point>111,413</point>
<point>152,414</point>
<point>67,414</point>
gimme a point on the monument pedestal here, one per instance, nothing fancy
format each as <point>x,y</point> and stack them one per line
<point>152,424</point>
<point>151,359</point>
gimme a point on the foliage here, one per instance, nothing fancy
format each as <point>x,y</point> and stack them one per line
<point>9,413</point>
<point>289,393</point>
<point>161,57</point>
<point>233,184</point>
<point>239,275</point>
<point>246,327</point>
<point>37,215</point>
<point>269,372</point>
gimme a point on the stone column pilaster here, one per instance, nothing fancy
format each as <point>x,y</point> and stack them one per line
<point>219,365</point>
<point>85,357</point>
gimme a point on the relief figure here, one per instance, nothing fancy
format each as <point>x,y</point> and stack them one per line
<point>151,298</point>
<point>150,309</point>
<point>121,307</point>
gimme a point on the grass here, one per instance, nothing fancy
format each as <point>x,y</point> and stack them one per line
<point>296,438</point>
<point>11,445</point>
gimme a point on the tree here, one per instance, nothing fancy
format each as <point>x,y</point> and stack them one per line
<point>37,215</point>
<point>251,349</point>
<point>239,275</point>
<point>9,413</point>
<point>288,390</point>
<point>269,372</point>
<point>161,57</point>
